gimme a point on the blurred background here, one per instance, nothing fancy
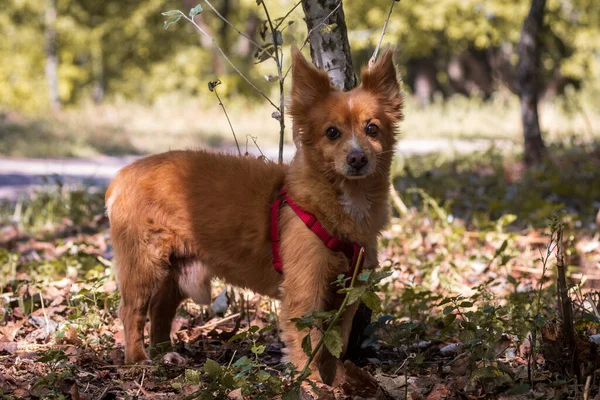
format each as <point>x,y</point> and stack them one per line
<point>88,86</point>
<point>83,78</point>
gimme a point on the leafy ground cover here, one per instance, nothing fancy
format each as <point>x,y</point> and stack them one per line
<point>466,305</point>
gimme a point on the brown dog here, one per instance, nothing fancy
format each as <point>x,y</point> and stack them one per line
<point>181,218</point>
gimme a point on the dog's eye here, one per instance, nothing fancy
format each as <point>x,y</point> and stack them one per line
<point>372,130</point>
<point>332,133</point>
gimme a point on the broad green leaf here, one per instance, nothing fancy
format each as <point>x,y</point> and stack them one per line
<point>466,304</point>
<point>333,341</point>
<point>258,349</point>
<point>192,376</point>
<point>449,310</point>
<point>307,345</point>
<point>445,301</point>
<point>212,369</point>
<point>448,319</point>
<point>265,329</point>
<point>171,21</point>
<point>372,301</point>
<point>355,293</point>
<point>242,362</point>
<point>241,335</point>
<point>196,10</point>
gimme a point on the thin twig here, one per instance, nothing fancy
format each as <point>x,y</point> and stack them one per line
<point>219,322</point>
<point>593,305</point>
<point>141,384</point>
<point>255,143</point>
<point>385,24</point>
<point>228,60</point>
<point>586,390</point>
<point>287,15</point>
<point>397,201</point>
<point>46,319</point>
<point>279,61</point>
<point>229,121</point>
<point>312,30</point>
<point>233,26</point>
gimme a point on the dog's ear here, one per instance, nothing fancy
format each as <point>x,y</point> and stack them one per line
<point>381,79</point>
<point>309,84</point>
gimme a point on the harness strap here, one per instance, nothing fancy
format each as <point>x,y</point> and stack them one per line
<point>350,250</point>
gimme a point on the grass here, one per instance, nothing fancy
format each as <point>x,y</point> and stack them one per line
<point>174,122</point>
<point>465,304</point>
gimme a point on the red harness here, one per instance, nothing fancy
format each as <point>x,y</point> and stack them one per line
<point>350,250</point>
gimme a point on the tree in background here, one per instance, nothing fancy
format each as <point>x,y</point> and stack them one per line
<point>51,56</point>
<point>329,46</point>
<point>528,71</point>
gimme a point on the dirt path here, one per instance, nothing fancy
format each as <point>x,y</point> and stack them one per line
<point>21,176</point>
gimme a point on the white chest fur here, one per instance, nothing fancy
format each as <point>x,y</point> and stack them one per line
<point>356,204</point>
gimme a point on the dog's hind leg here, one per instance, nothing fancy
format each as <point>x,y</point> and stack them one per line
<point>135,284</point>
<point>163,305</point>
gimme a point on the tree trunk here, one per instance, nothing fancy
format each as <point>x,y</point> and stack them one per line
<point>330,50</point>
<point>51,56</point>
<point>329,45</point>
<point>528,82</point>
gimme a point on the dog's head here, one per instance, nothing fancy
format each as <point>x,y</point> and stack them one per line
<point>346,133</point>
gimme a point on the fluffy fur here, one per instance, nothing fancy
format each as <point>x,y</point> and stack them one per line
<point>181,218</point>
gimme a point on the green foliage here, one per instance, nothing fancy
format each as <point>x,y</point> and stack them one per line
<point>53,205</point>
<point>121,49</point>
<point>481,188</point>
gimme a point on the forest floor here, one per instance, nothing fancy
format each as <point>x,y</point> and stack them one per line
<point>466,304</point>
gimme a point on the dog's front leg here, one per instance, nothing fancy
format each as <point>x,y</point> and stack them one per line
<point>308,269</point>
<point>301,296</point>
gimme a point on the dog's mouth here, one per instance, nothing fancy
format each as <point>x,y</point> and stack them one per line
<point>355,173</point>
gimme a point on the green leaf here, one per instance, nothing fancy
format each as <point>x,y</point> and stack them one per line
<point>171,21</point>
<point>466,304</point>
<point>258,349</point>
<point>355,293</point>
<point>364,275</point>
<point>171,13</point>
<point>372,301</point>
<point>241,335</point>
<point>449,310</point>
<point>242,362</point>
<point>253,328</point>
<point>307,345</point>
<point>212,369</point>
<point>192,376</point>
<point>445,301</point>
<point>328,28</point>
<point>266,329</point>
<point>196,10</point>
<point>333,341</point>
<point>448,319</point>
<point>291,394</point>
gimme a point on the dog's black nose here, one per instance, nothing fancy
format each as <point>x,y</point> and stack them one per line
<point>357,159</point>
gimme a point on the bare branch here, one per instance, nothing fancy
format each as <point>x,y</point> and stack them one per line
<point>287,15</point>
<point>233,26</point>
<point>385,24</point>
<point>228,60</point>
<point>279,61</point>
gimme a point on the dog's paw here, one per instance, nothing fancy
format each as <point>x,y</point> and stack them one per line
<point>174,358</point>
